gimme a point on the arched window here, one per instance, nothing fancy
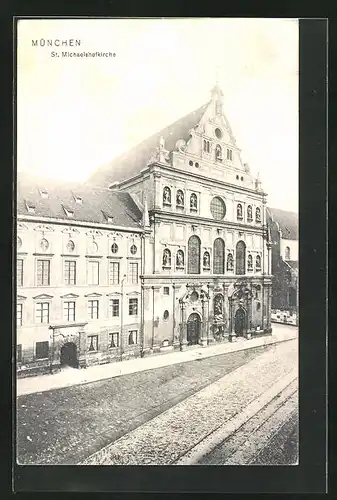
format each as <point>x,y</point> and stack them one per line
<point>240,258</point>
<point>287,253</point>
<point>219,256</point>
<point>250,262</point>
<point>167,196</point>
<point>194,255</point>
<point>249,213</point>
<point>218,305</point>
<point>258,263</point>
<point>180,259</point>
<point>193,202</point>
<point>218,152</point>
<point>239,211</point>
<point>180,198</point>
<point>258,214</point>
<point>206,261</point>
<point>230,262</point>
<point>166,258</point>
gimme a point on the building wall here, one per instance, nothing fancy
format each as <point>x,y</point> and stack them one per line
<point>293,247</point>
<point>30,235</point>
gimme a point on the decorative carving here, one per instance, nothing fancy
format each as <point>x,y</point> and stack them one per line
<point>70,230</point>
<point>44,229</point>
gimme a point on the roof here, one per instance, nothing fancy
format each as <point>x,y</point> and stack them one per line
<point>287,221</point>
<point>134,160</point>
<point>95,206</point>
<point>292,263</point>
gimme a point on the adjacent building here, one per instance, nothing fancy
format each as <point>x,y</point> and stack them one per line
<point>284,238</point>
<point>165,248</point>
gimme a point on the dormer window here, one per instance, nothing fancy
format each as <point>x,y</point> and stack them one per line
<point>43,193</point>
<point>69,213</point>
<point>30,207</point>
<point>229,154</point>
<point>108,217</point>
<point>78,199</point>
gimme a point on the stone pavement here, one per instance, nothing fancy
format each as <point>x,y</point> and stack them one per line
<point>70,376</point>
<point>171,437</point>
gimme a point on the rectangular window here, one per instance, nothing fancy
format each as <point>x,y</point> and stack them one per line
<point>229,154</point>
<point>19,309</point>
<point>114,307</point>
<point>19,272</point>
<point>43,272</point>
<point>113,340</point>
<point>133,272</point>
<point>133,307</point>
<point>133,334</point>
<point>19,353</point>
<point>93,342</point>
<point>93,309</point>
<point>69,311</point>
<point>42,350</point>
<point>93,273</point>
<point>42,312</point>
<point>70,272</point>
<point>113,273</point>
<point>166,290</point>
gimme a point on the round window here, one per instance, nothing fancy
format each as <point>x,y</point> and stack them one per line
<point>44,245</point>
<point>218,208</point>
<point>194,296</point>
<point>218,133</point>
<point>166,314</point>
<point>133,249</point>
<point>70,246</point>
<point>114,248</point>
<point>19,242</point>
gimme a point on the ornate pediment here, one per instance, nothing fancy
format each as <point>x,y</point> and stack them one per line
<point>93,295</point>
<point>43,296</point>
<point>114,234</point>
<point>70,230</point>
<point>69,296</point>
<point>20,297</point>
<point>42,228</point>
<point>94,233</point>
<point>21,227</point>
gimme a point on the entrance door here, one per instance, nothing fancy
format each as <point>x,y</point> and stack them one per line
<point>240,320</point>
<point>69,355</point>
<point>193,329</point>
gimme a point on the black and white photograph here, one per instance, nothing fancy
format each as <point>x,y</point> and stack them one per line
<point>157,235</point>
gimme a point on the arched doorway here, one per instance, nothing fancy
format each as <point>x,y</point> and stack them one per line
<point>69,355</point>
<point>193,329</point>
<point>240,321</point>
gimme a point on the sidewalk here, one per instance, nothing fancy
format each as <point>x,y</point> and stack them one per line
<point>69,376</point>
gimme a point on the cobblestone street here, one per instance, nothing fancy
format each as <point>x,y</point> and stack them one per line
<point>152,417</point>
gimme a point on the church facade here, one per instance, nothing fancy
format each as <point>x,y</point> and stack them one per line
<point>182,219</point>
<point>207,269</point>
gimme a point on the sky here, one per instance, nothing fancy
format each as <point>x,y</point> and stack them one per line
<point>76,114</point>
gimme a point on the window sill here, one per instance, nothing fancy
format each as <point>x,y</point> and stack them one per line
<point>167,204</point>
<point>167,267</point>
<point>195,210</point>
<point>41,359</point>
<point>180,268</point>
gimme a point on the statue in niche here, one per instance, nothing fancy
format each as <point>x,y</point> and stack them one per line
<point>218,152</point>
<point>180,259</point>
<point>218,306</point>
<point>193,201</point>
<point>166,257</point>
<point>180,198</point>
<point>249,213</point>
<point>167,195</point>
<point>206,260</point>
